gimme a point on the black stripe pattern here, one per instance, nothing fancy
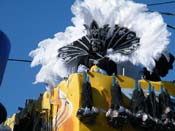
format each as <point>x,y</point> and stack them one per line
<point>98,41</point>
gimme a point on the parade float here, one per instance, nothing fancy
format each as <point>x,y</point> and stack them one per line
<point>82,66</point>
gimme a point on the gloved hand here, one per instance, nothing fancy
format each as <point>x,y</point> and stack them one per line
<point>118,116</point>
<point>87,115</point>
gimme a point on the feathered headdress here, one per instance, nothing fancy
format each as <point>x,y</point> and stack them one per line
<point>125,31</point>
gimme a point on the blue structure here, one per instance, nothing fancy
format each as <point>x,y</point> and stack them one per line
<point>4,53</point>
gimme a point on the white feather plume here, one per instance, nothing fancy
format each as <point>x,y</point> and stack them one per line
<point>149,27</point>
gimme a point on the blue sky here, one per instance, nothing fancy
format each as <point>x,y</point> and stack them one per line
<point>28,22</point>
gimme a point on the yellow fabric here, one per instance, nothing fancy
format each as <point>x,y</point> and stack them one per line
<point>167,85</point>
<point>101,85</point>
<point>61,106</point>
<point>46,101</point>
<point>94,68</point>
<point>10,122</point>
